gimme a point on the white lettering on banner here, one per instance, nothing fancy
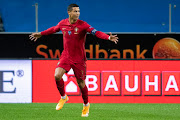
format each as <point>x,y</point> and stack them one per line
<point>109,85</point>
<point>148,83</point>
<point>94,78</point>
<point>127,83</point>
<point>173,85</point>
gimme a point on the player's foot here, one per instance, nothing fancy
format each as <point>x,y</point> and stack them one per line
<point>61,103</point>
<point>85,111</point>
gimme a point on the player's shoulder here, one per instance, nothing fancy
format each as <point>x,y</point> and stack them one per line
<point>63,21</point>
<point>81,22</point>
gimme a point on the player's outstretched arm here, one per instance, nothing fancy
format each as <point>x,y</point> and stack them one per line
<point>100,34</point>
<point>113,38</point>
<point>110,37</point>
<point>35,36</point>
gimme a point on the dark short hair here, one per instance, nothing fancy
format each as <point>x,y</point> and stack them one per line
<point>71,6</point>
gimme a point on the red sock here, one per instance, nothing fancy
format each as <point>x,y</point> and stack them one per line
<point>60,86</point>
<point>84,92</point>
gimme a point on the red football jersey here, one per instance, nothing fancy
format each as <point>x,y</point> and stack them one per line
<point>74,36</point>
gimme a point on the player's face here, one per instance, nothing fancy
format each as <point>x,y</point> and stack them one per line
<point>75,13</point>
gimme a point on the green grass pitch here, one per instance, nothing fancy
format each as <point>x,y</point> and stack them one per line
<point>72,111</point>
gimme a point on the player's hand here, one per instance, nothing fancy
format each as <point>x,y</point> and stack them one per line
<point>35,36</point>
<point>113,38</point>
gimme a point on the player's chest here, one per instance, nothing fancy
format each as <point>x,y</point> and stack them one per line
<point>71,30</point>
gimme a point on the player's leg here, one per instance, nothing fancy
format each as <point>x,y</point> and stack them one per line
<point>84,90</point>
<point>59,72</point>
<point>80,74</point>
<point>62,67</point>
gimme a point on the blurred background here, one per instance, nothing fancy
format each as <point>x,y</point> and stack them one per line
<point>107,16</point>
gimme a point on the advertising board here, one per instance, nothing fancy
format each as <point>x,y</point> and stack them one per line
<point>15,81</point>
<point>113,81</point>
<point>130,46</point>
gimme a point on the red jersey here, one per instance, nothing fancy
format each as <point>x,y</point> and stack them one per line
<point>74,36</point>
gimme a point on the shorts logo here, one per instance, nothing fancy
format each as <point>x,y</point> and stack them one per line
<point>82,74</point>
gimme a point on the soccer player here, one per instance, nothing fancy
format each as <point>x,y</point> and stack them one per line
<point>74,55</point>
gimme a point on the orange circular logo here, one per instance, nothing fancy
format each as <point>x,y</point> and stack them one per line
<point>166,48</point>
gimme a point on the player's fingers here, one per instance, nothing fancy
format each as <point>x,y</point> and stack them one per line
<point>32,34</point>
<point>115,40</point>
<point>35,39</point>
<point>31,37</point>
<point>115,37</point>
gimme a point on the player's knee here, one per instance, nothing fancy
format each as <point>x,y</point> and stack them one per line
<point>57,77</point>
<point>81,83</point>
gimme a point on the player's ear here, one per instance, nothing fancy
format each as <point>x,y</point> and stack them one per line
<point>68,12</point>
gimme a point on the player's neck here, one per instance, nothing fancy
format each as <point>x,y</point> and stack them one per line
<point>72,21</point>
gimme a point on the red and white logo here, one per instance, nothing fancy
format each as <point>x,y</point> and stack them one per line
<point>76,30</point>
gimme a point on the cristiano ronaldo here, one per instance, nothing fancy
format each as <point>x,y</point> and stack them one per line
<point>73,56</point>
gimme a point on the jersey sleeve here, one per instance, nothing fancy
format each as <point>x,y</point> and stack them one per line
<point>95,32</point>
<point>51,30</point>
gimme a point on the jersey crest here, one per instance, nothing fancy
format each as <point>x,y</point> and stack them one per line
<point>76,30</point>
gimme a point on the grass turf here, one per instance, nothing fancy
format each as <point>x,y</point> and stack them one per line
<point>72,111</point>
